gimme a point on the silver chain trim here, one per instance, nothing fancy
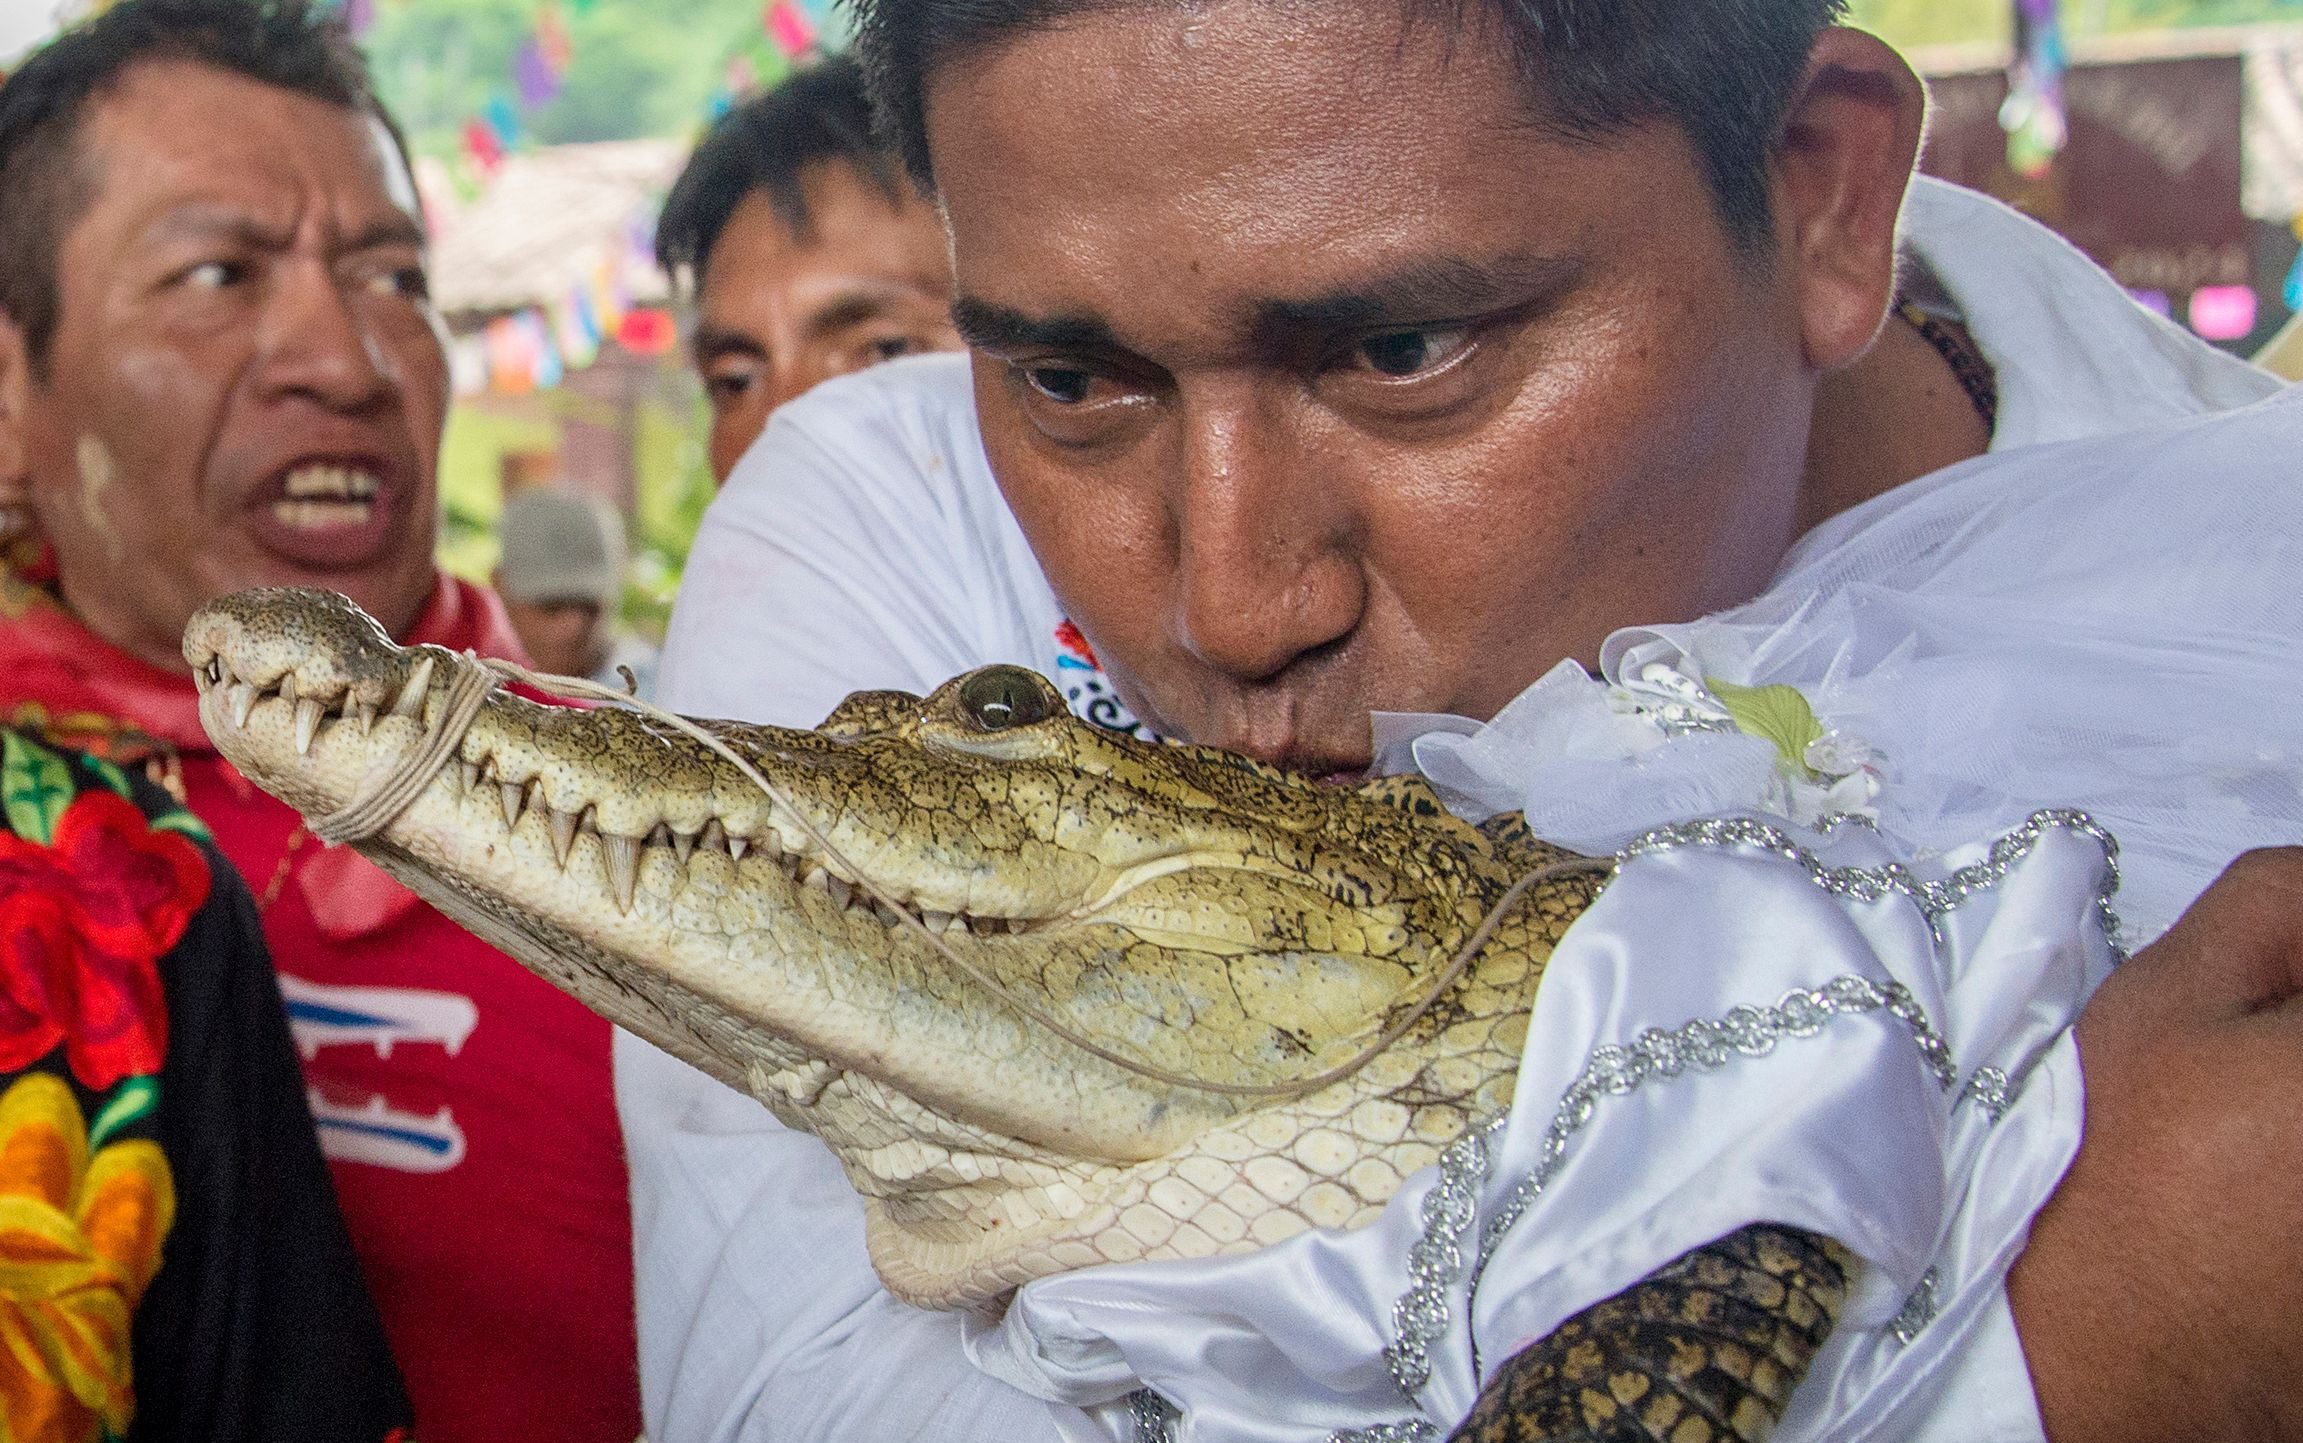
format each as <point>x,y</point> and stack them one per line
<point>1437,1259</point>
<point>1990,1089</point>
<point>1919,1309</point>
<point>1156,1419</point>
<point>1707,1045</point>
<point>1935,900</point>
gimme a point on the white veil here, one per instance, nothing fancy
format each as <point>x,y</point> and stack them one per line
<point>2112,625</point>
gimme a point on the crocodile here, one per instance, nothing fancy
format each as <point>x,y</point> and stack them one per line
<point>1054,996</point>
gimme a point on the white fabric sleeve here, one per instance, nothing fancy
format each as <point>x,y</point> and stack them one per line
<point>1731,1034</point>
<point>859,544</point>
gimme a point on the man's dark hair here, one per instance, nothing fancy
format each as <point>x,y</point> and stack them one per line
<point>1724,71</point>
<point>767,144</point>
<point>293,44</point>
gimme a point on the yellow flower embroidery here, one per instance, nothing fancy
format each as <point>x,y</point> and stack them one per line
<point>79,1240</point>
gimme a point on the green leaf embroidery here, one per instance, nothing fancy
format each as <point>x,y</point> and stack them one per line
<point>1778,715</point>
<point>132,1100</point>
<point>185,822</point>
<point>35,788</point>
<point>111,776</point>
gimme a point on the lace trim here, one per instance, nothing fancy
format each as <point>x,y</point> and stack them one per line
<point>1437,1260</point>
<point>1935,900</point>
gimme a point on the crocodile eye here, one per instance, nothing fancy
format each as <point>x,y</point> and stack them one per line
<point>1000,698</point>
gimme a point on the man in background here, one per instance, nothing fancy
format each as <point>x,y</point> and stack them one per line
<point>807,251</point>
<point>220,368</point>
<point>562,580</point>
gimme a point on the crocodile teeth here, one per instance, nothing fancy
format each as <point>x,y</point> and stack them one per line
<point>737,846</point>
<point>563,832</point>
<point>715,836</point>
<point>838,890</point>
<point>623,855</point>
<point>365,715</point>
<point>682,846</point>
<point>411,700</point>
<point>471,775</point>
<point>242,699</point>
<point>515,799</point>
<point>818,879</point>
<point>307,725</point>
<point>288,688</point>
<point>886,913</point>
<point>937,922</point>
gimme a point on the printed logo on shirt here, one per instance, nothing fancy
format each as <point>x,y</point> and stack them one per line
<point>1087,691</point>
<point>374,1132</point>
<point>379,1017</point>
<point>369,1128</point>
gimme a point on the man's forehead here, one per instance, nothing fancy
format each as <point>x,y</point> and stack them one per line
<point>192,145</point>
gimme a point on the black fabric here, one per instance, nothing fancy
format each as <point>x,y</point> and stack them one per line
<point>258,1325</point>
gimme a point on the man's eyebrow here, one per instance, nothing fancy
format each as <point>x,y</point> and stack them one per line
<point>1440,290</point>
<point>397,229</point>
<point>989,327</point>
<point>203,221</point>
<point>714,341</point>
<point>849,307</point>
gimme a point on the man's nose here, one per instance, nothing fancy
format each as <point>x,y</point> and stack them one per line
<point>316,342</point>
<point>1265,570</point>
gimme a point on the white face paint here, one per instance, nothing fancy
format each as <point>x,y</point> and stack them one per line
<point>97,473</point>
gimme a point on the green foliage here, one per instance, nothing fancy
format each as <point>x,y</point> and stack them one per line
<point>638,67</point>
<point>1940,22</point>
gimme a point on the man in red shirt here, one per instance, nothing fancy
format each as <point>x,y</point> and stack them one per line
<point>219,368</point>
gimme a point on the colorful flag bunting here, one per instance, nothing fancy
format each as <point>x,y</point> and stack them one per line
<point>647,332</point>
<point>552,40</point>
<point>2034,117</point>
<point>504,119</point>
<point>481,144</point>
<point>790,28</point>
<point>538,82</point>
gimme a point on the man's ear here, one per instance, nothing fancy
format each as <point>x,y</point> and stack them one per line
<point>15,415</point>
<point>1850,144</point>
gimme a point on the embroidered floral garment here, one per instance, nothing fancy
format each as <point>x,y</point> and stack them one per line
<point>172,1264</point>
<point>450,1086</point>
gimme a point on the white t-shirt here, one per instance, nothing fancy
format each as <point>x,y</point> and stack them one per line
<point>864,543</point>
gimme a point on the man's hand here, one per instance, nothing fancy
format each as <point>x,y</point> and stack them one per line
<point>2162,1292</point>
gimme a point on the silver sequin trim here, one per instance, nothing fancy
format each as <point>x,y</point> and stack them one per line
<point>1990,1089</point>
<point>1438,1260</point>
<point>1919,1309</point>
<point>1155,1418</point>
<point>1935,900</point>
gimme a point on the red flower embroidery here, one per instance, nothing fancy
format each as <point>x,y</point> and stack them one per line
<point>83,924</point>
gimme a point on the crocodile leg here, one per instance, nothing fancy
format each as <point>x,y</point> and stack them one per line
<point>1706,1349</point>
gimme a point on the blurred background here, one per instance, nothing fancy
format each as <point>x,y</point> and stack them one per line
<point>2164,137</point>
